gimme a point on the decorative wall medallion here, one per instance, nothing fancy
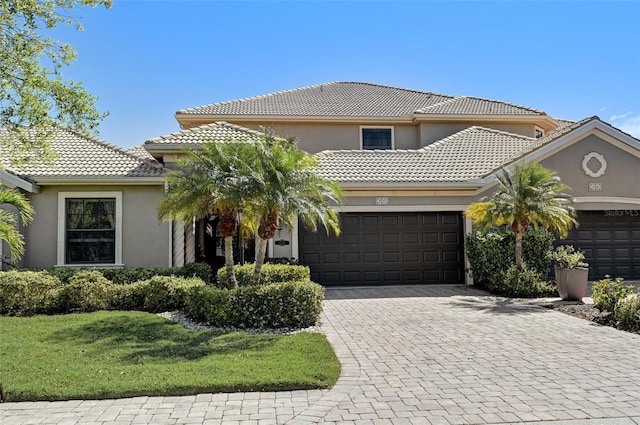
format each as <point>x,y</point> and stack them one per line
<point>598,157</point>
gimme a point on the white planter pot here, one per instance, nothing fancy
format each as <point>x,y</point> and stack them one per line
<point>572,283</point>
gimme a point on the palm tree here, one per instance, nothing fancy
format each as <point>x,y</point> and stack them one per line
<point>532,196</point>
<point>212,180</point>
<point>8,220</point>
<point>286,186</point>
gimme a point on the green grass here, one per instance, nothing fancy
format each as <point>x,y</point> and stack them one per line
<point>124,354</point>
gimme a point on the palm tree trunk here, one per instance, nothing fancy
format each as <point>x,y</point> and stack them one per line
<point>266,230</point>
<point>262,251</point>
<point>228,260</point>
<point>519,250</point>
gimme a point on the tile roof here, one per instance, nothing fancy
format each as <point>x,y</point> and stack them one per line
<point>218,132</point>
<point>465,105</point>
<point>356,99</point>
<point>140,152</point>
<point>83,157</point>
<point>470,154</point>
<point>335,99</point>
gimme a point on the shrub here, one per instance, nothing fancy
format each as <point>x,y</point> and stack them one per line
<point>607,292</point>
<point>492,251</point>
<point>87,290</point>
<point>567,257</point>
<point>282,260</point>
<point>209,304</point>
<point>128,296</point>
<point>128,275</point>
<point>162,293</point>
<point>271,273</point>
<point>201,271</point>
<point>27,292</point>
<point>627,312</point>
<point>280,305</point>
<point>521,283</point>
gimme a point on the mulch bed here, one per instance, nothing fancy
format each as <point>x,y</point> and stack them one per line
<point>592,313</point>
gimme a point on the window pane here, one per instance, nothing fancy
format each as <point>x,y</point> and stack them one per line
<point>90,236</point>
<point>376,138</point>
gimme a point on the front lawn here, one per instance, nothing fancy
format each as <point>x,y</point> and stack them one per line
<point>124,354</point>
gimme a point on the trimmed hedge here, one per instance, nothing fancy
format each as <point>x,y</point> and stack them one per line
<point>493,251</point>
<point>282,305</point>
<point>162,293</point>
<point>122,276</point>
<point>271,273</point>
<point>627,312</point>
<point>27,292</point>
<point>278,305</point>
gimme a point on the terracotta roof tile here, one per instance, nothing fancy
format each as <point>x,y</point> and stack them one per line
<point>465,105</point>
<point>467,155</point>
<point>356,99</point>
<point>83,157</point>
<point>218,132</point>
<point>140,152</point>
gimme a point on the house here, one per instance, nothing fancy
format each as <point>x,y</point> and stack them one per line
<point>94,204</point>
<point>410,162</point>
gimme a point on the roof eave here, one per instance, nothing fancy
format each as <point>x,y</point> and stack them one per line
<point>12,181</point>
<point>80,180</point>
<point>470,184</point>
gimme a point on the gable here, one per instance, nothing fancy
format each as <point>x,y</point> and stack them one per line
<point>611,168</point>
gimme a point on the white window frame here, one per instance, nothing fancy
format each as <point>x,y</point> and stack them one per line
<point>62,219</point>
<point>536,128</point>
<point>388,127</point>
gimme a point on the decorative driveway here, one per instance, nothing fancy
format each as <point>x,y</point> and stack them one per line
<point>418,355</point>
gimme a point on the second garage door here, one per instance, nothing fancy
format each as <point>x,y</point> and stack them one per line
<point>611,242</point>
<point>387,248</point>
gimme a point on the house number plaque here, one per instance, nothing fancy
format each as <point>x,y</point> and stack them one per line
<point>382,200</point>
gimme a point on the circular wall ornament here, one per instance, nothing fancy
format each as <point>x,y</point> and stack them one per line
<point>598,157</point>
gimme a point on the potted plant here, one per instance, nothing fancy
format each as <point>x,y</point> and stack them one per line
<point>571,273</point>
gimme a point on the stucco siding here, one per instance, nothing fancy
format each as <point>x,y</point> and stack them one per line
<point>620,179</point>
<point>315,138</point>
<point>145,239</point>
<point>432,132</point>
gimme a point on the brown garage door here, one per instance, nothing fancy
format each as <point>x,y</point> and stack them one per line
<point>387,248</point>
<point>610,241</point>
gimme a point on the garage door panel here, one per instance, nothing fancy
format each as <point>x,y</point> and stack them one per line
<point>411,257</point>
<point>387,248</point>
<point>610,241</point>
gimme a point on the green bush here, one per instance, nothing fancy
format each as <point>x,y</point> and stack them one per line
<point>128,296</point>
<point>280,305</point>
<point>87,290</point>
<point>493,251</point>
<point>164,293</point>
<point>521,283</point>
<point>123,276</point>
<point>209,304</point>
<point>607,292</point>
<point>27,292</point>
<point>567,257</point>
<point>627,312</point>
<point>271,273</point>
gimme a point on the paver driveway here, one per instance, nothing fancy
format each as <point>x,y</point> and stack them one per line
<point>418,355</point>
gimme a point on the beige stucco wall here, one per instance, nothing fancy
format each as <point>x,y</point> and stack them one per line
<point>314,137</point>
<point>432,132</point>
<point>621,178</point>
<point>145,239</point>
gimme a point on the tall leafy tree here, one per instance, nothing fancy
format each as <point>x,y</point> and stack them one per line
<point>533,196</point>
<point>285,185</point>
<point>212,180</point>
<point>9,219</point>
<point>33,93</point>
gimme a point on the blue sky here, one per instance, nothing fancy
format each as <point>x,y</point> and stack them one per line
<point>147,59</point>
